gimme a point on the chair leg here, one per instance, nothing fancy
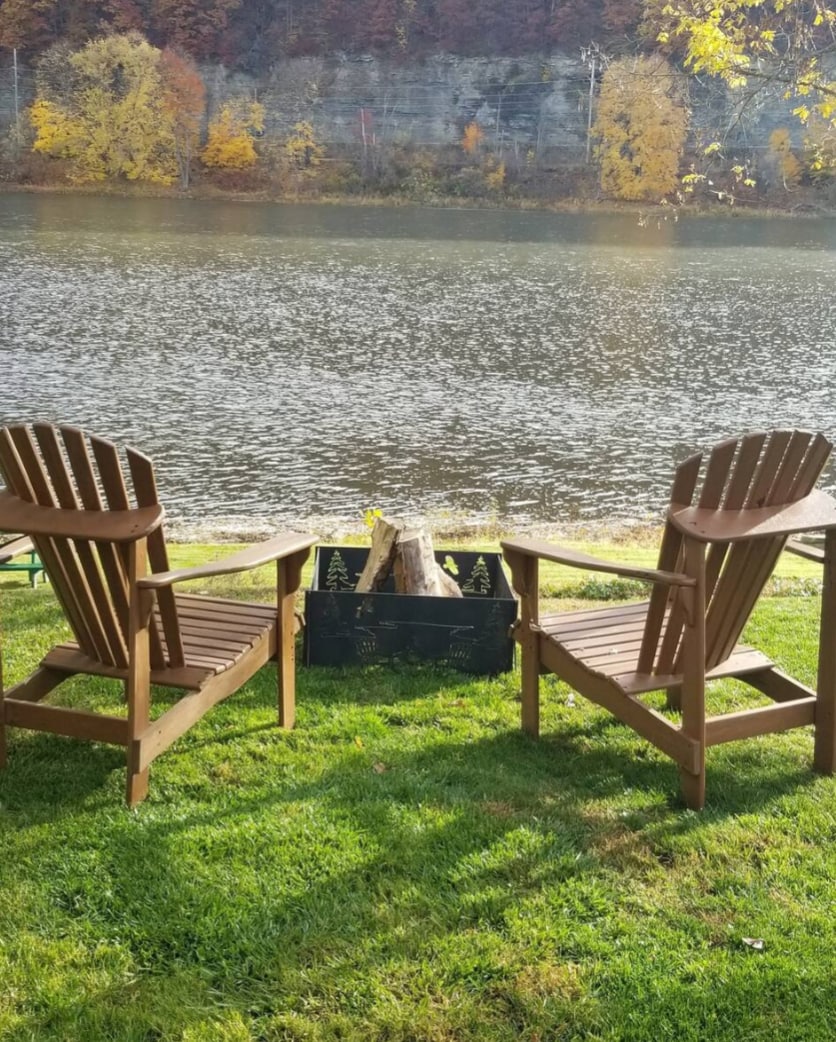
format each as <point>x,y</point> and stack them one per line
<point>673,698</point>
<point>2,716</point>
<point>693,724</point>
<point>138,685</point>
<point>693,787</point>
<point>530,683</point>
<point>288,580</point>
<point>692,691</point>
<point>286,663</point>
<point>824,757</point>
<point>137,786</point>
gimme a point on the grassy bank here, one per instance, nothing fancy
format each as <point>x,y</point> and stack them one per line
<point>405,865</point>
<point>810,208</point>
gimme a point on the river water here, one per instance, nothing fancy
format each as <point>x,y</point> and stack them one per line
<point>287,364</point>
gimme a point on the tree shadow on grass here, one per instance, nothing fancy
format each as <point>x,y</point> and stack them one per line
<point>328,889</point>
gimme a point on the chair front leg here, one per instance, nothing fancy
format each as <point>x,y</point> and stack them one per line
<point>825,740</point>
<point>288,580</point>
<point>2,710</point>
<point>138,685</point>
<point>693,673</point>
<point>525,578</point>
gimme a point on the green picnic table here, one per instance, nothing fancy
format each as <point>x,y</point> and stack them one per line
<point>21,547</point>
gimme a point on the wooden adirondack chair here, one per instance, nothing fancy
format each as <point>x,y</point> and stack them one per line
<point>718,550</point>
<point>96,526</point>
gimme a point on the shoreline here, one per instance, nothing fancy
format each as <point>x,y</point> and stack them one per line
<point>211,193</point>
<point>335,530</point>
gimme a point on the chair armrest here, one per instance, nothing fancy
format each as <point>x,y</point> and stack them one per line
<point>15,548</point>
<point>108,526</point>
<point>814,512</point>
<point>561,555</point>
<point>242,561</point>
<point>812,553</point>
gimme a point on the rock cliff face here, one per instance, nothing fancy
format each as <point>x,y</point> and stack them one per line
<point>520,103</point>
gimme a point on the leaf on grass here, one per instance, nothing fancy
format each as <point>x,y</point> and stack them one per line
<point>754,942</point>
<point>358,741</point>
<point>380,768</point>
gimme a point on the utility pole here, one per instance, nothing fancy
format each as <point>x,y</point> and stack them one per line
<point>595,58</point>
<point>589,107</point>
<point>17,102</point>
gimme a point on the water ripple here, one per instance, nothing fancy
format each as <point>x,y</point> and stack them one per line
<point>276,377</point>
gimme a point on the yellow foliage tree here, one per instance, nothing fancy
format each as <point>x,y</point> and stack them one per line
<point>780,146</point>
<point>302,149</point>
<point>787,41</point>
<point>641,126</point>
<point>55,133</point>
<point>472,137</point>
<point>113,124</point>
<point>820,147</point>
<point>229,143</point>
<point>495,176</point>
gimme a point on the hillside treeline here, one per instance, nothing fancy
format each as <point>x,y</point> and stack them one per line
<point>249,34</point>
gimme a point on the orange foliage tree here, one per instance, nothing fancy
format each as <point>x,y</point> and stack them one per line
<point>472,137</point>
<point>184,99</point>
<point>194,26</point>
<point>24,23</point>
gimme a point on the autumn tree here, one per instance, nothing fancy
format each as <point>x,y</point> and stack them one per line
<point>820,148</point>
<point>25,23</point>
<point>302,149</point>
<point>339,23</point>
<point>229,144</point>
<point>380,23</point>
<point>109,119</point>
<point>56,77</point>
<point>125,16</point>
<point>784,42</point>
<point>640,126</point>
<point>194,26</point>
<point>184,102</point>
<point>787,166</point>
<point>472,138</point>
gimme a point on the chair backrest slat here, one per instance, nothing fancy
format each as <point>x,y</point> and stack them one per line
<point>145,487</point>
<point>116,496</point>
<point>735,499</point>
<point>711,495</point>
<point>755,471</point>
<point>113,562</point>
<point>742,580</point>
<point>76,471</point>
<point>751,563</point>
<point>663,598</point>
<point>102,618</point>
<point>18,483</point>
<point>26,477</point>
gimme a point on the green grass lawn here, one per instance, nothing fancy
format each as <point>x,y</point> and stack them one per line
<point>405,865</point>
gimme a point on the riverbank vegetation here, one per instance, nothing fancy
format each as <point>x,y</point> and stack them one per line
<point>120,96</point>
<point>405,865</point>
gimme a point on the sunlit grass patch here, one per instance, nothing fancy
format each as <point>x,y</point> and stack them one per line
<point>406,865</point>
